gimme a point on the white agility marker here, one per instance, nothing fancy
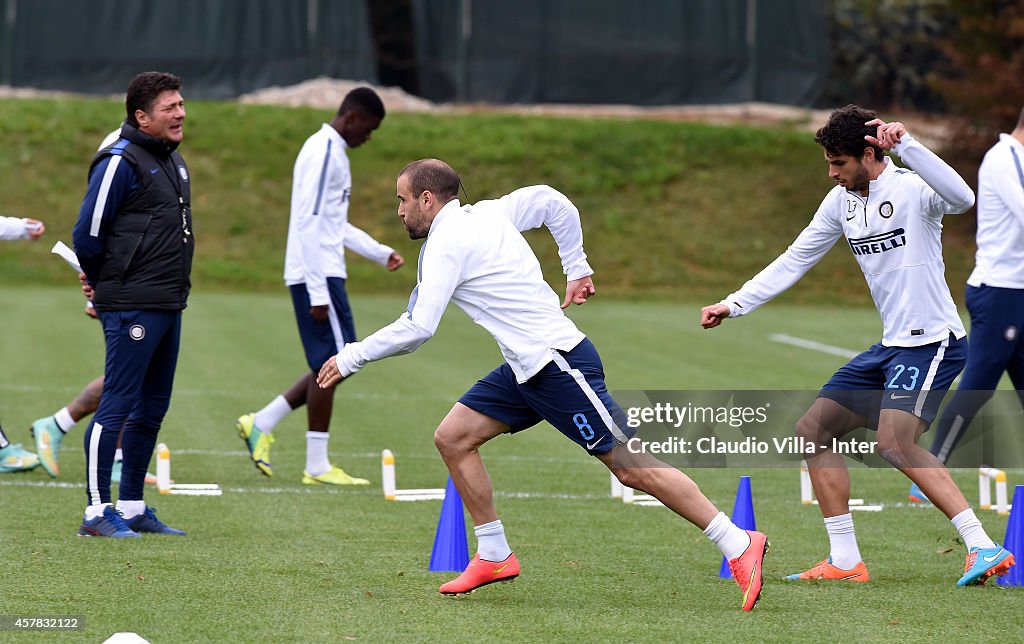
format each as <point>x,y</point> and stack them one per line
<point>387,474</point>
<point>807,493</point>
<point>806,489</point>
<point>391,491</point>
<point>163,469</point>
<point>985,476</point>
<point>166,486</point>
<point>629,495</point>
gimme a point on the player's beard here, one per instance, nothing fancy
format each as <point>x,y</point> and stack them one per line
<point>416,226</point>
<point>861,180</point>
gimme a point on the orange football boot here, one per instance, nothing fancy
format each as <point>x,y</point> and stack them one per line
<point>825,570</point>
<point>747,568</point>
<point>481,572</point>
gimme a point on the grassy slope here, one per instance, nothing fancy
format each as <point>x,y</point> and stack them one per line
<point>672,209</point>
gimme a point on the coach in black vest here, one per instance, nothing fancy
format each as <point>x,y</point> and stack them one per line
<point>148,255</point>
<point>134,241</point>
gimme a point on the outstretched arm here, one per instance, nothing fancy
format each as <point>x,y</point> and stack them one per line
<point>11,228</point>
<point>18,228</point>
<point>441,273</point>
<point>806,250</point>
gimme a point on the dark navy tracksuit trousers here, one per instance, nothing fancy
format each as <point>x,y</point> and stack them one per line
<point>142,354</point>
<point>997,322</point>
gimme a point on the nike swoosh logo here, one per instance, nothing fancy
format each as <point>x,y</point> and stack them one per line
<point>154,170</point>
<point>591,446</point>
<point>993,557</point>
<point>498,570</point>
<point>14,461</point>
<point>851,216</point>
<point>750,583</point>
<point>895,397</point>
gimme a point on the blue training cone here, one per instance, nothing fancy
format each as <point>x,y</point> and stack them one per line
<point>1014,541</point>
<point>742,516</point>
<point>451,552</point>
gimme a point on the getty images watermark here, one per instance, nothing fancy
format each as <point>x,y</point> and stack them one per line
<point>758,429</point>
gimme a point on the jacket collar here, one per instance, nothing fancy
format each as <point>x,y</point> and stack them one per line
<point>1010,140</point>
<point>156,147</point>
<point>887,171</point>
<point>449,207</point>
<point>335,135</point>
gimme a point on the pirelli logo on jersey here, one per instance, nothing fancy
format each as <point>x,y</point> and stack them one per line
<point>880,243</point>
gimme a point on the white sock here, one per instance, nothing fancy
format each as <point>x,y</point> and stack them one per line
<point>64,420</point>
<point>118,455</point>
<point>317,462</point>
<point>725,534</point>
<point>268,417</point>
<point>93,511</point>
<point>843,541</point>
<point>971,530</point>
<point>131,509</point>
<point>491,542</point>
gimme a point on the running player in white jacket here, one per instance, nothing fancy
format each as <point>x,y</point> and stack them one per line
<point>476,257</point>
<point>891,218</point>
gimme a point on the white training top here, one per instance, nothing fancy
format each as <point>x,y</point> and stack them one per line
<point>318,230</point>
<point>13,228</point>
<point>475,256</point>
<point>895,236</point>
<point>1000,257</point>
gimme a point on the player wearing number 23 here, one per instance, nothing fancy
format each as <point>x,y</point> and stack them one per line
<point>891,218</point>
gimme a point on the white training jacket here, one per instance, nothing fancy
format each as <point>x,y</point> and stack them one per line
<point>318,230</point>
<point>13,228</point>
<point>1000,257</point>
<point>895,235</point>
<point>475,256</point>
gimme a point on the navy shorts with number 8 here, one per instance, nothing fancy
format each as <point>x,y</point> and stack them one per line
<point>569,392</point>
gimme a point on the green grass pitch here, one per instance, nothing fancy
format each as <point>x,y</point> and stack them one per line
<point>273,560</point>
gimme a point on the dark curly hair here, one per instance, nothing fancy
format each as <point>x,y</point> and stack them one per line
<point>144,90</point>
<point>845,131</point>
